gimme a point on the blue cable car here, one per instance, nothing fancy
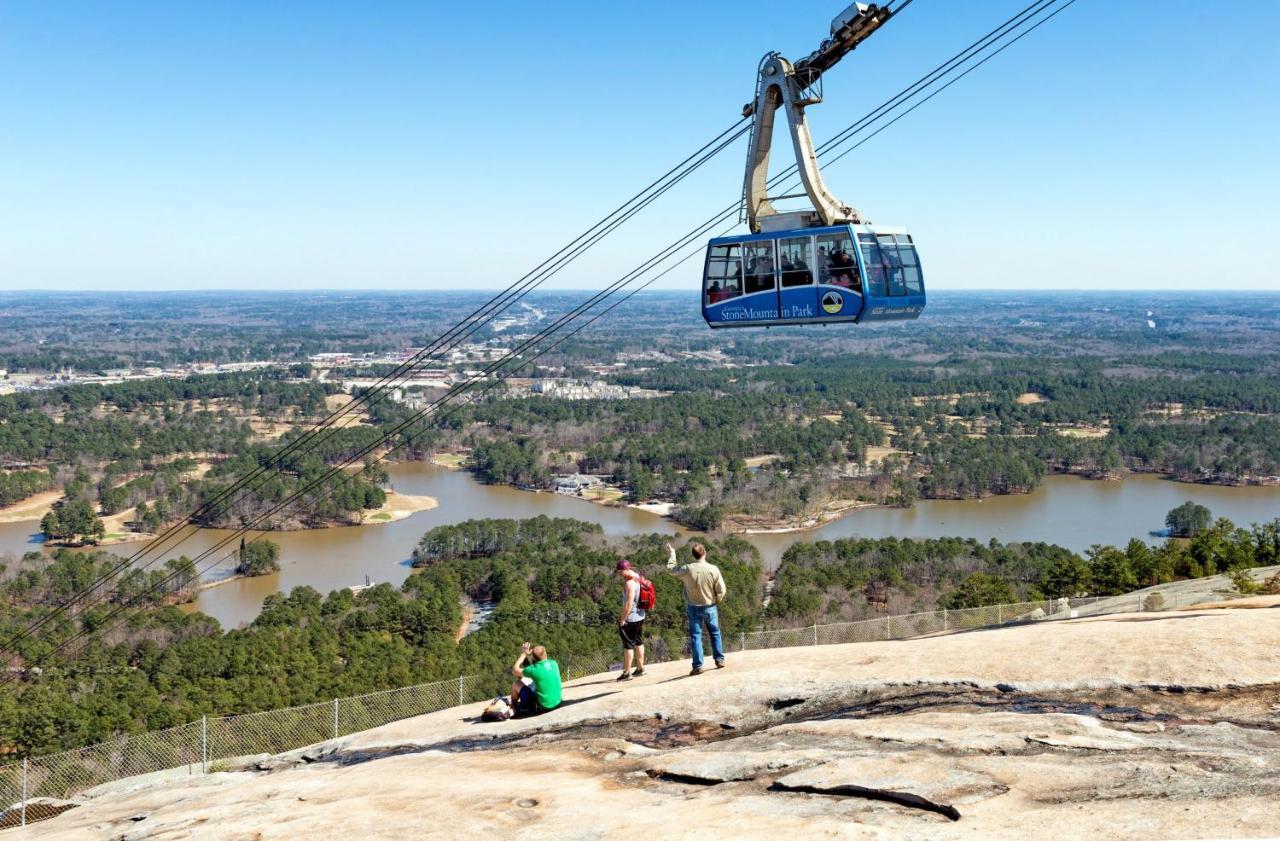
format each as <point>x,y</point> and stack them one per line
<point>822,266</point>
<point>840,273</point>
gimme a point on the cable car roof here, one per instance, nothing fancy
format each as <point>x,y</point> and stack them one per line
<point>858,227</point>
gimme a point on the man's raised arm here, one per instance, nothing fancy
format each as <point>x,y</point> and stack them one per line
<point>517,669</point>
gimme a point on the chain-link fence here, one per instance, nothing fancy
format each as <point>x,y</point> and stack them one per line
<point>904,626</point>
<point>206,744</point>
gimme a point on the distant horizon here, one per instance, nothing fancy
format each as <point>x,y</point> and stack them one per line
<point>586,291</point>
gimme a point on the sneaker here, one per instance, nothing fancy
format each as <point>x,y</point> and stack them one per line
<point>697,670</point>
<point>638,672</point>
<point>624,676</point>
<point>719,664</point>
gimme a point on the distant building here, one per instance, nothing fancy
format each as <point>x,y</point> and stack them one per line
<point>576,483</point>
<point>329,359</point>
<point>577,390</point>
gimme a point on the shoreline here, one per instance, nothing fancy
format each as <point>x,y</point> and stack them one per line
<point>397,507</point>
<point>837,509</point>
<point>834,510</point>
<point>209,585</point>
<point>30,510</point>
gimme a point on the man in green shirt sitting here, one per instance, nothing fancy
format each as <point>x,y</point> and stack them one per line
<point>537,686</point>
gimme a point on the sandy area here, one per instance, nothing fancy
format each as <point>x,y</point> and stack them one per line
<point>1028,397</point>
<point>199,471</point>
<point>923,400</point>
<point>468,612</point>
<point>875,453</point>
<point>761,461</point>
<point>833,510</point>
<point>452,461</point>
<point>270,429</point>
<point>116,522</point>
<point>662,509</point>
<point>1082,431</point>
<point>31,508</point>
<point>266,430</point>
<point>399,506</point>
<point>118,532</point>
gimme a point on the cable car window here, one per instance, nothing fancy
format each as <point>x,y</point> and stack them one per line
<point>760,267</point>
<point>892,265</point>
<point>836,261</point>
<point>795,256</point>
<point>875,265</point>
<point>910,265</point>
<point>724,273</point>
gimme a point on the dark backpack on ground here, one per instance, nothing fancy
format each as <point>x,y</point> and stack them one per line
<point>647,598</point>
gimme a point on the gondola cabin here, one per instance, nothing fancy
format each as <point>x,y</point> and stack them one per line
<point>842,273</point>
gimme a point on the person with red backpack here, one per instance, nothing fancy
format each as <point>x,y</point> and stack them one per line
<point>638,597</point>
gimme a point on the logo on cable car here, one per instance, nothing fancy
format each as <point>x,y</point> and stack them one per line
<point>832,303</point>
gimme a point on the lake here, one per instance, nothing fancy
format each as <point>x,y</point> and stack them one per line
<point>1066,510</point>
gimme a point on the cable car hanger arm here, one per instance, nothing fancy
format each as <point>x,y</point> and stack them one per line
<point>795,87</point>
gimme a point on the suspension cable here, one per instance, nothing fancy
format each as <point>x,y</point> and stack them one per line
<point>458,333</point>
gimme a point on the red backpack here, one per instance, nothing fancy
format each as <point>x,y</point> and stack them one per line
<point>648,597</point>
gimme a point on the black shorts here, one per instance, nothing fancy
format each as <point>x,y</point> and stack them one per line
<point>632,634</point>
<point>527,702</point>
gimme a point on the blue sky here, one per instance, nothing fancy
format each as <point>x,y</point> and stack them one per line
<point>149,145</point>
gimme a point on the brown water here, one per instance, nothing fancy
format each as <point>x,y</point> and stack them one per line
<point>1065,510</point>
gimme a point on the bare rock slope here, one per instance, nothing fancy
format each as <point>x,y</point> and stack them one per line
<point>1145,725</point>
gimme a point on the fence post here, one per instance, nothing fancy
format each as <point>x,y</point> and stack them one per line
<point>999,614</point>
<point>204,744</point>
<point>461,699</point>
<point>944,619</point>
<point>744,641</point>
<point>888,628</point>
<point>335,718</point>
<point>23,819</point>
<point>815,633</point>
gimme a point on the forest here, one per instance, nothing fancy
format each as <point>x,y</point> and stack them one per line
<point>139,446</point>
<point>550,580</point>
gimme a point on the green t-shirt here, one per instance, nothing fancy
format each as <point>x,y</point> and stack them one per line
<point>546,682</point>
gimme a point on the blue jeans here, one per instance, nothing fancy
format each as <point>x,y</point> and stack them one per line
<point>697,615</point>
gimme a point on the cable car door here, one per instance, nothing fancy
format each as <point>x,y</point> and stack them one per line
<point>760,281</point>
<point>797,294</point>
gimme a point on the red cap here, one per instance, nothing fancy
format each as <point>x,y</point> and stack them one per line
<point>623,564</point>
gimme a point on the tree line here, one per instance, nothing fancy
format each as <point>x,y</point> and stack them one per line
<point>549,580</point>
